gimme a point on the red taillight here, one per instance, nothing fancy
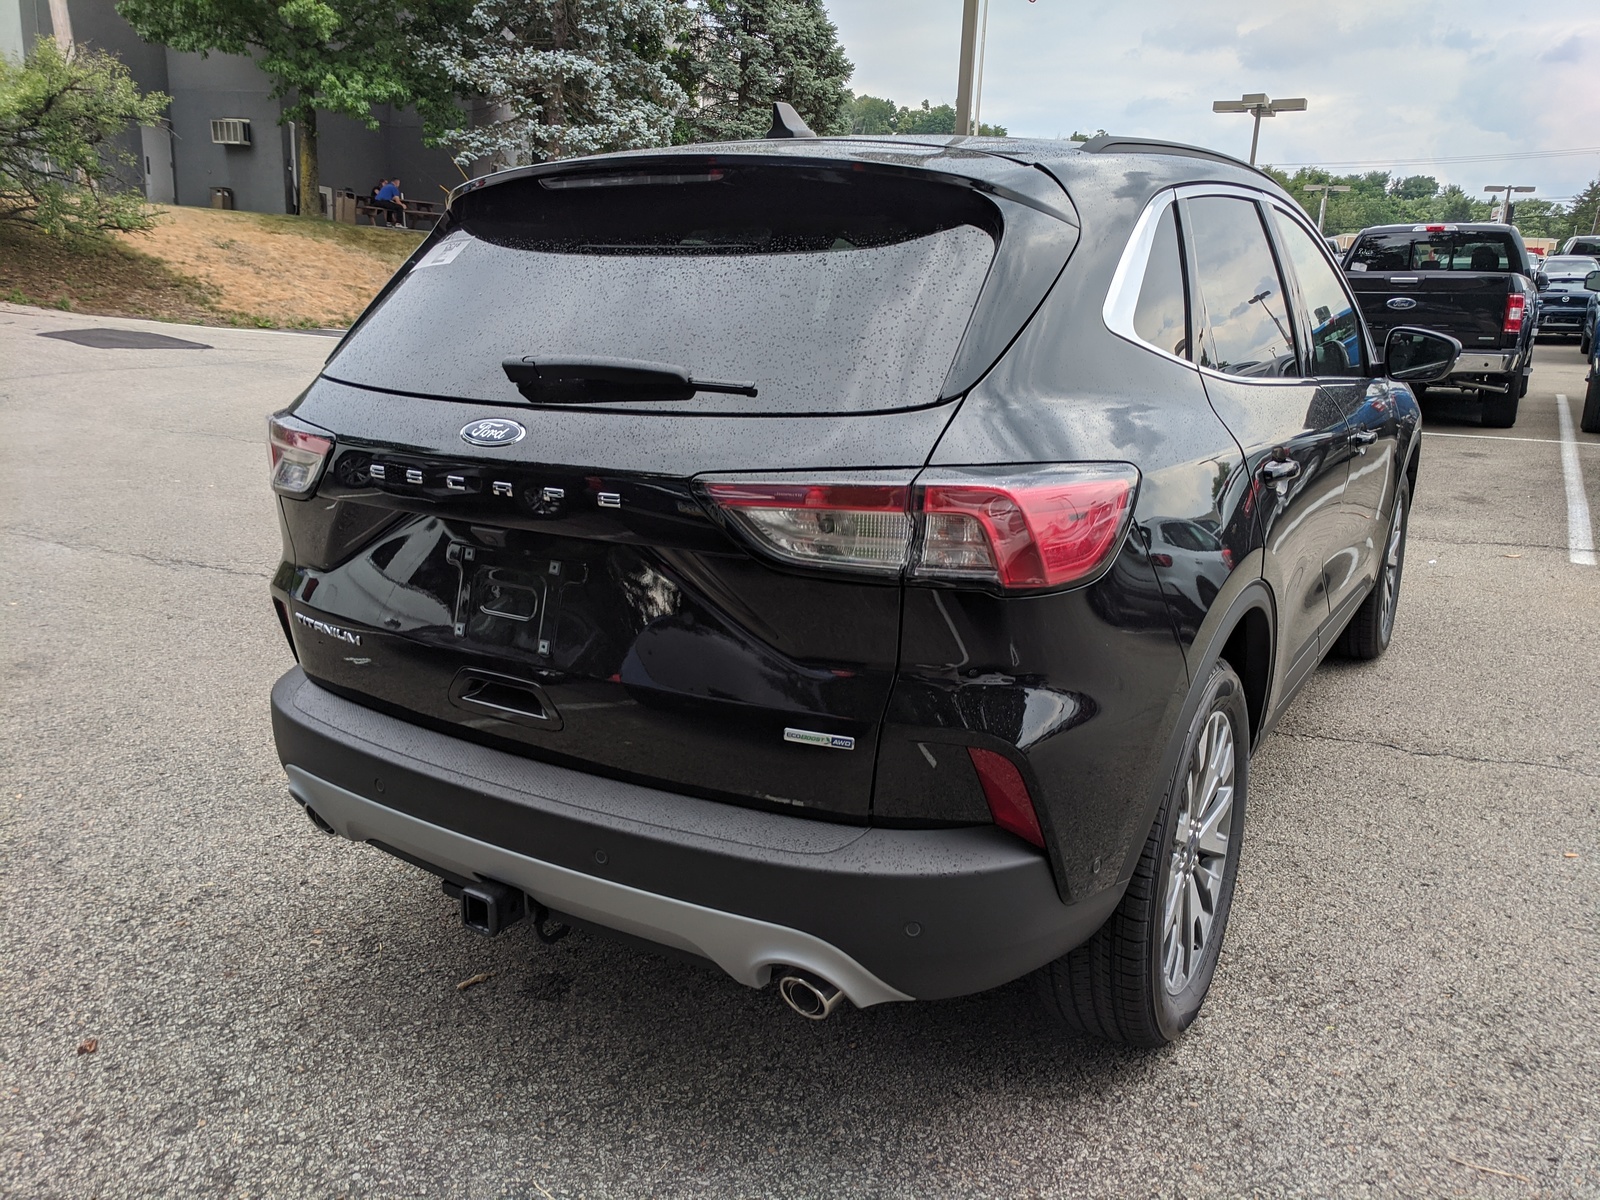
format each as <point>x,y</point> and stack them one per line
<point>1019,529</point>
<point>1007,794</point>
<point>1516,308</point>
<point>297,455</point>
<point>1022,530</point>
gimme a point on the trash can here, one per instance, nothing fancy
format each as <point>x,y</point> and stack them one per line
<point>221,197</point>
<point>344,206</point>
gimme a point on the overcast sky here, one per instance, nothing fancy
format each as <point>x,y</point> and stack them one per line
<point>1407,79</point>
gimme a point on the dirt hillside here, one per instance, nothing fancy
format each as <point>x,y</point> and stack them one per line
<point>209,267</point>
<point>282,270</point>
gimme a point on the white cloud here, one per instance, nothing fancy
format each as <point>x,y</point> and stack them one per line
<point>1416,80</point>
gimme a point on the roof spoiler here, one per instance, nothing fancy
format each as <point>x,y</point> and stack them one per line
<point>1110,143</point>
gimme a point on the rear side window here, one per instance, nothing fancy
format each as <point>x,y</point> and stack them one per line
<point>1161,316</point>
<point>1435,252</point>
<point>831,288</point>
<point>1246,316</point>
<point>1335,329</point>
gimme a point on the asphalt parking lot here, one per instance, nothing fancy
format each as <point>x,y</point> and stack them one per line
<point>1406,1005</point>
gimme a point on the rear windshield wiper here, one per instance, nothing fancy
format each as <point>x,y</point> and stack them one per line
<point>574,380</point>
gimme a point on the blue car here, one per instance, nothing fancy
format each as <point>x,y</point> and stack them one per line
<point>1590,420</point>
<point>1563,302</point>
<point>1591,320</point>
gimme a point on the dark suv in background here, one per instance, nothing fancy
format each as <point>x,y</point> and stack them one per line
<point>866,564</point>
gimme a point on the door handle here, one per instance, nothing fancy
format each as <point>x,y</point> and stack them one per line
<point>1363,437</point>
<point>1280,470</point>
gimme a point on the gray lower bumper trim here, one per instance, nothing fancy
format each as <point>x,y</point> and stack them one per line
<point>745,948</point>
<point>1477,364</point>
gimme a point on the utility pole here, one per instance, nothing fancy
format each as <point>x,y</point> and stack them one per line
<point>1507,206</point>
<point>1324,188</point>
<point>1258,105</point>
<point>969,56</point>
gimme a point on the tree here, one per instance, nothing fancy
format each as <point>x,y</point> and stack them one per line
<point>871,115</point>
<point>747,53</point>
<point>566,77</point>
<point>1585,212</point>
<point>1415,187</point>
<point>58,116</point>
<point>341,56</point>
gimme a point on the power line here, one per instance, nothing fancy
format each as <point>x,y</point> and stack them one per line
<point>1460,158</point>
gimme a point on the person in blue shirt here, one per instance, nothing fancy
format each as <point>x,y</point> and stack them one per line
<point>387,197</point>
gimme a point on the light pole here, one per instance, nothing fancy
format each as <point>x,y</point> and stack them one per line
<point>1507,189</point>
<point>1324,188</point>
<point>1258,105</point>
<point>969,56</point>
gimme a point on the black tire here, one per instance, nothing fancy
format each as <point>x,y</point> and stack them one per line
<point>1115,986</point>
<point>1589,422</point>
<point>1584,344</point>
<point>1370,629</point>
<point>1500,411</point>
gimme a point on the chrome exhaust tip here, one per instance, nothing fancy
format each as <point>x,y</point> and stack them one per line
<point>813,998</point>
<point>316,819</point>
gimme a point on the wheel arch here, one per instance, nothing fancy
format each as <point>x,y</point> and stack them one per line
<point>1239,632</point>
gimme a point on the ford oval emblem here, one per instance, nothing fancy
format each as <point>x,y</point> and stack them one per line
<point>492,431</point>
<point>1402,302</point>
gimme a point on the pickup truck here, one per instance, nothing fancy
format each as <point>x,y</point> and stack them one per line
<point>1474,282</point>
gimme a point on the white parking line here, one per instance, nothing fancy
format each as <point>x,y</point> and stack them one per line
<point>1498,437</point>
<point>1580,533</point>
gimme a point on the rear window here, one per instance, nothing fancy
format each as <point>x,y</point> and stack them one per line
<point>830,288</point>
<point>1570,265</point>
<point>1435,252</point>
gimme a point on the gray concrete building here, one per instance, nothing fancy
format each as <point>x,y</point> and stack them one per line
<point>182,161</point>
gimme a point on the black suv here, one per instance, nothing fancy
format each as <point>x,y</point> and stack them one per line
<point>866,564</point>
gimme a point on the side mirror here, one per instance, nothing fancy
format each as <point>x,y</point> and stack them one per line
<point>1591,281</point>
<point>1415,355</point>
<point>1541,281</point>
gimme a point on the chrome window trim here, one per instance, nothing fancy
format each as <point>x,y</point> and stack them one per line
<point>1122,297</point>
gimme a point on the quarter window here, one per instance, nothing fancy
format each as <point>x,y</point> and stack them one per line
<point>1246,316</point>
<point>1335,331</point>
<point>1161,316</point>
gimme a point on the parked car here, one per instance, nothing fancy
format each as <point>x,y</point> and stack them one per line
<point>771,535</point>
<point>1591,318</point>
<point>1590,418</point>
<point>1563,302</point>
<point>1582,244</point>
<point>1473,282</point>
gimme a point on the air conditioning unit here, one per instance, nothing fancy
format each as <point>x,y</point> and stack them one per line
<point>231,131</point>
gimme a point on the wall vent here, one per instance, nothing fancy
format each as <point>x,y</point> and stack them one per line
<point>231,131</point>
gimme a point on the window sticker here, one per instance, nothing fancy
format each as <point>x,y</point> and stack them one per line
<point>445,252</point>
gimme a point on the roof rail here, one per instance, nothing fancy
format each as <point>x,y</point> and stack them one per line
<point>1112,144</point>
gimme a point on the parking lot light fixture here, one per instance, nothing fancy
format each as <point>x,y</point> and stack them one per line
<point>1324,188</point>
<point>1258,105</point>
<point>1506,205</point>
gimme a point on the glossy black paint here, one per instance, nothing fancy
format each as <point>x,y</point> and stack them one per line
<point>678,656</point>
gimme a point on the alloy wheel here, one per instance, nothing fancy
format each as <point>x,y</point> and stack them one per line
<point>1393,555</point>
<point>1200,848</point>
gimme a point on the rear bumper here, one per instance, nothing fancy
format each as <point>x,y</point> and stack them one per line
<point>884,914</point>
<point>1476,363</point>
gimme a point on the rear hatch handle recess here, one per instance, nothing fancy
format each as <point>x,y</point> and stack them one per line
<point>580,380</point>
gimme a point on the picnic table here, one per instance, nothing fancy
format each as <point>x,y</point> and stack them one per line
<point>418,214</point>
